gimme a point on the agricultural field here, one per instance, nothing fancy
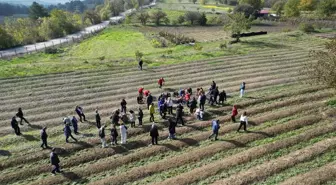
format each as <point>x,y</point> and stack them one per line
<point>291,136</point>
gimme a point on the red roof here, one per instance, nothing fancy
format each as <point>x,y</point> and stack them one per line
<point>264,12</point>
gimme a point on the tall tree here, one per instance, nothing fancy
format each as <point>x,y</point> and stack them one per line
<point>6,40</point>
<point>37,11</point>
<point>157,16</point>
<point>192,17</point>
<point>327,7</point>
<point>237,24</point>
<point>256,4</point>
<point>92,16</point>
<point>308,5</point>
<point>278,7</point>
<point>143,17</point>
<point>292,8</point>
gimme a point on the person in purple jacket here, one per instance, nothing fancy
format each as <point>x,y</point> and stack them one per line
<point>74,123</point>
<point>79,111</point>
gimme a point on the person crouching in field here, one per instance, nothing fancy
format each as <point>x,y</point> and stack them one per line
<point>215,129</point>
<point>54,162</point>
<point>243,122</point>
<point>154,133</point>
<point>114,135</point>
<point>79,111</point>
<point>15,126</point>
<point>123,133</point>
<point>234,113</point>
<point>102,136</point>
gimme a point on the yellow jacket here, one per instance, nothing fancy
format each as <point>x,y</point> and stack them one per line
<point>151,109</point>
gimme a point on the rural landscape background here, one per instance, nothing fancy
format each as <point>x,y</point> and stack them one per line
<point>285,52</point>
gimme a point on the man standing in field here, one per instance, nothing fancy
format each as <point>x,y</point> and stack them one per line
<point>74,123</point>
<point>79,111</point>
<point>44,137</point>
<point>15,126</point>
<point>20,115</point>
<point>54,162</point>
<point>242,89</point>
<point>154,133</point>
<point>67,133</point>
<point>151,112</point>
<point>140,116</point>
<point>215,129</point>
<point>222,97</point>
<point>140,64</point>
<point>243,121</point>
<point>123,104</point>
<point>179,112</point>
<point>160,82</point>
<point>98,119</point>
<point>114,135</point>
<point>102,136</point>
<point>149,100</point>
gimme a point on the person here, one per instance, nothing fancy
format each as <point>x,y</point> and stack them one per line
<point>67,133</point>
<point>140,116</point>
<point>19,114</point>
<point>216,93</point>
<point>44,137</point>
<point>98,119</point>
<point>169,103</point>
<point>123,104</point>
<point>114,135</point>
<point>132,118</point>
<point>115,117</point>
<point>15,126</point>
<point>234,113</point>
<point>189,90</point>
<point>213,85</point>
<point>79,111</point>
<point>192,105</point>
<point>162,108</point>
<point>102,136</point>
<point>123,133</point>
<point>146,92</point>
<point>215,129</point>
<point>74,123</point>
<point>187,97</point>
<point>154,133</point>
<point>199,114</point>
<point>160,82</point>
<point>149,100</point>
<point>212,93</point>
<point>179,112</point>
<point>140,96</point>
<point>202,101</point>
<point>222,97</point>
<point>151,112</point>
<point>54,162</point>
<point>242,89</point>
<point>243,121</point>
<point>140,64</point>
<point>172,129</point>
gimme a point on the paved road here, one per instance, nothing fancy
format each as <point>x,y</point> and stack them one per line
<point>67,39</point>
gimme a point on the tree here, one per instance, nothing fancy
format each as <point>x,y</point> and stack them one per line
<point>256,4</point>
<point>192,17</point>
<point>308,5</point>
<point>36,11</point>
<point>23,30</point>
<point>237,24</point>
<point>180,19</point>
<point>143,17</point>
<point>292,8</point>
<point>93,17</point>
<point>202,20</point>
<point>322,69</point>
<point>246,9</point>
<point>278,7</point>
<point>157,16</point>
<point>326,7</point>
<point>6,40</point>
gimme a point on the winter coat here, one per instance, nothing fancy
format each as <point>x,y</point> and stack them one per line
<point>242,87</point>
<point>169,102</point>
<point>44,135</point>
<point>54,159</point>
<point>202,99</point>
<point>222,96</point>
<point>123,103</point>
<point>74,122</point>
<point>154,132</point>
<point>179,110</point>
<point>97,117</point>
<point>132,117</point>
<point>216,92</point>
<point>193,104</point>
<point>115,118</point>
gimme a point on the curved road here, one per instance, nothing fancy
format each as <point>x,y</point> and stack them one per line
<point>67,39</point>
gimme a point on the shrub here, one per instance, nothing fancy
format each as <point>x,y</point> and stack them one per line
<point>229,10</point>
<point>52,51</point>
<point>180,19</point>
<point>246,9</point>
<point>169,52</point>
<point>192,17</point>
<point>307,28</point>
<point>202,20</point>
<point>198,47</point>
<point>223,46</point>
<point>176,38</point>
<point>138,55</point>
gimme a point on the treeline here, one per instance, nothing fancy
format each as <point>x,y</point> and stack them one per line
<point>77,5</point>
<point>9,9</point>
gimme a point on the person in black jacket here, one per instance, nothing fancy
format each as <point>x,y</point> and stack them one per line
<point>54,162</point>
<point>140,64</point>
<point>44,137</point>
<point>15,126</point>
<point>222,97</point>
<point>215,95</point>
<point>102,136</point>
<point>179,112</point>
<point>149,100</point>
<point>140,116</point>
<point>80,112</point>
<point>114,135</point>
<point>154,133</point>
<point>67,133</point>
<point>20,115</point>
<point>202,101</point>
<point>123,104</point>
<point>192,105</point>
<point>115,117</point>
<point>172,130</point>
<point>98,119</point>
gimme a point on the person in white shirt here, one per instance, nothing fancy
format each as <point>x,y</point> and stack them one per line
<point>169,103</point>
<point>199,114</point>
<point>243,121</point>
<point>123,133</point>
<point>132,118</point>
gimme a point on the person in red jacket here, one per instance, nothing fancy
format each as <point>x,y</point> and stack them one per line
<point>234,113</point>
<point>160,82</point>
<point>140,97</point>
<point>146,92</point>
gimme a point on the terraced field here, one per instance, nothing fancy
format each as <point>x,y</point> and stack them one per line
<point>291,138</point>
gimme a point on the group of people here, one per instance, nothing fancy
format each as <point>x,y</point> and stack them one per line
<point>165,106</point>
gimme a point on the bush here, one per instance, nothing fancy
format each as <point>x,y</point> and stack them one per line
<point>138,55</point>
<point>176,38</point>
<point>52,51</point>
<point>198,47</point>
<point>246,9</point>
<point>202,20</point>
<point>307,28</point>
<point>192,17</point>
<point>180,19</point>
<point>223,46</point>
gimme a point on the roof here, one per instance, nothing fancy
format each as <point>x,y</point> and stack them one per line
<point>264,12</point>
